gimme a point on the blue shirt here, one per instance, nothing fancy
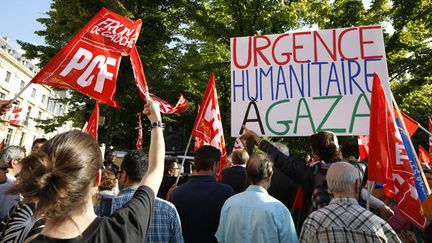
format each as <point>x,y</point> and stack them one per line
<point>199,202</point>
<point>255,216</point>
<point>165,223</point>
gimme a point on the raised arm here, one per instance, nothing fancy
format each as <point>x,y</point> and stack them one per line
<point>154,175</point>
<point>294,169</point>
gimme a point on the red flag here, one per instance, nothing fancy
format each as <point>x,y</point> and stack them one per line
<point>89,62</point>
<point>139,142</point>
<point>410,123</point>
<point>430,136</point>
<point>165,108</point>
<point>208,125</point>
<point>363,146</point>
<point>238,144</point>
<point>388,160</point>
<point>16,116</point>
<point>423,155</point>
<point>92,124</point>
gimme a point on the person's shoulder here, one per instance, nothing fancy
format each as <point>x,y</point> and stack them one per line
<point>224,188</point>
<point>159,202</point>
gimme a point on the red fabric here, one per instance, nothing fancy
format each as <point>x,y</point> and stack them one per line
<point>181,106</point>
<point>208,124</point>
<point>430,136</point>
<point>424,156</point>
<point>411,124</point>
<point>139,142</point>
<point>238,144</point>
<point>16,116</point>
<point>138,70</point>
<point>89,62</point>
<point>363,146</point>
<point>388,160</point>
<point>93,123</point>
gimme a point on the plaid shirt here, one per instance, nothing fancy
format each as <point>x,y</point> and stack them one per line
<point>165,223</point>
<point>344,220</point>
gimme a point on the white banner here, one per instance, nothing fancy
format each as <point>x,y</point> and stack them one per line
<point>299,83</point>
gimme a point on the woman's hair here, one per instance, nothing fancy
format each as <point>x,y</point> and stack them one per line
<point>325,145</point>
<point>58,177</point>
<point>108,181</point>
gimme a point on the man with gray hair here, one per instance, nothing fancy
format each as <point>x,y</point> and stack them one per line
<point>9,163</point>
<point>254,215</point>
<point>344,220</point>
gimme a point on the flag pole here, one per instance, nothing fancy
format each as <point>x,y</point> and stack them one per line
<point>22,90</point>
<point>424,129</point>
<point>184,158</point>
<point>425,182</point>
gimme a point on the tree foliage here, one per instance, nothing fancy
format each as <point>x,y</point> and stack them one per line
<point>183,41</point>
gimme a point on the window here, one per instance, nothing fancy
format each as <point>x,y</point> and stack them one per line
<point>22,84</point>
<point>40,115</point>
<point>29,110</point>
<point>22,139</point>
<point>43,99</point>
<point>8,136</point>
<point>2,95</point>
<point>8,76</point>
<point>33,94</point>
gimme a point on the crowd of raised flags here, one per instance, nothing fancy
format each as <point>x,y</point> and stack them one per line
<point>392,159</point>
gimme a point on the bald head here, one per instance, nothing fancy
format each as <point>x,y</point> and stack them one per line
<point>342,177</point>
<point>259,168</point>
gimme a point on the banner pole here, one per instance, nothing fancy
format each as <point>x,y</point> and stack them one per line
<point>424,129</point>
<point>184,158</point>
<point>22,91</point>
<point>428,191</point>
<point>371,187</point>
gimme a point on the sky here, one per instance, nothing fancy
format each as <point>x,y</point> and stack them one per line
<point>18,20</point>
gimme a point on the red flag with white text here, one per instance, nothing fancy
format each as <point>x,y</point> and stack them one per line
<point>388,160</point>
<point>430,136</point>
<point>89,63</point>
<point>165,108</point>
<point>423,155</point>
<point>16,116</point>
<point>410,123</point>
<point>363,146</point>
<point>208,125</point>
<point>93,123</point>
<point>139,142</point>
<point>238,145</point>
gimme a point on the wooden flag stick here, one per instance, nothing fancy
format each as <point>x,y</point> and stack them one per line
<point>425,182</point>
<point>22,91</point>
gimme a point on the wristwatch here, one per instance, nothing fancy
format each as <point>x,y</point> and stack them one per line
<point>157,124</point>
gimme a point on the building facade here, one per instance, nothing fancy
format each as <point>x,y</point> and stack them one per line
<point>38,102</point>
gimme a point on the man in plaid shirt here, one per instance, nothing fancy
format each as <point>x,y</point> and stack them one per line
<point>165,223</point>
<point>344,220</point>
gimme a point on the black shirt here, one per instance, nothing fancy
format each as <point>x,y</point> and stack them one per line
<point>199,202</point>
<point>128,224</point>
<point>235,177</point>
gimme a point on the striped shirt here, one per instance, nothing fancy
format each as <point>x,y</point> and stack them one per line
<point>344,220</point>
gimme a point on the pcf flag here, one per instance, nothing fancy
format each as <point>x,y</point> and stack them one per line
<point>89,62</point>
<point>165,108</point>
<point>208,124</point>
<point>93,123</point>
<point>388,160</point>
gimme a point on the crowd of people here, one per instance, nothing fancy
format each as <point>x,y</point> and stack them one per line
<point>64,190</point>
